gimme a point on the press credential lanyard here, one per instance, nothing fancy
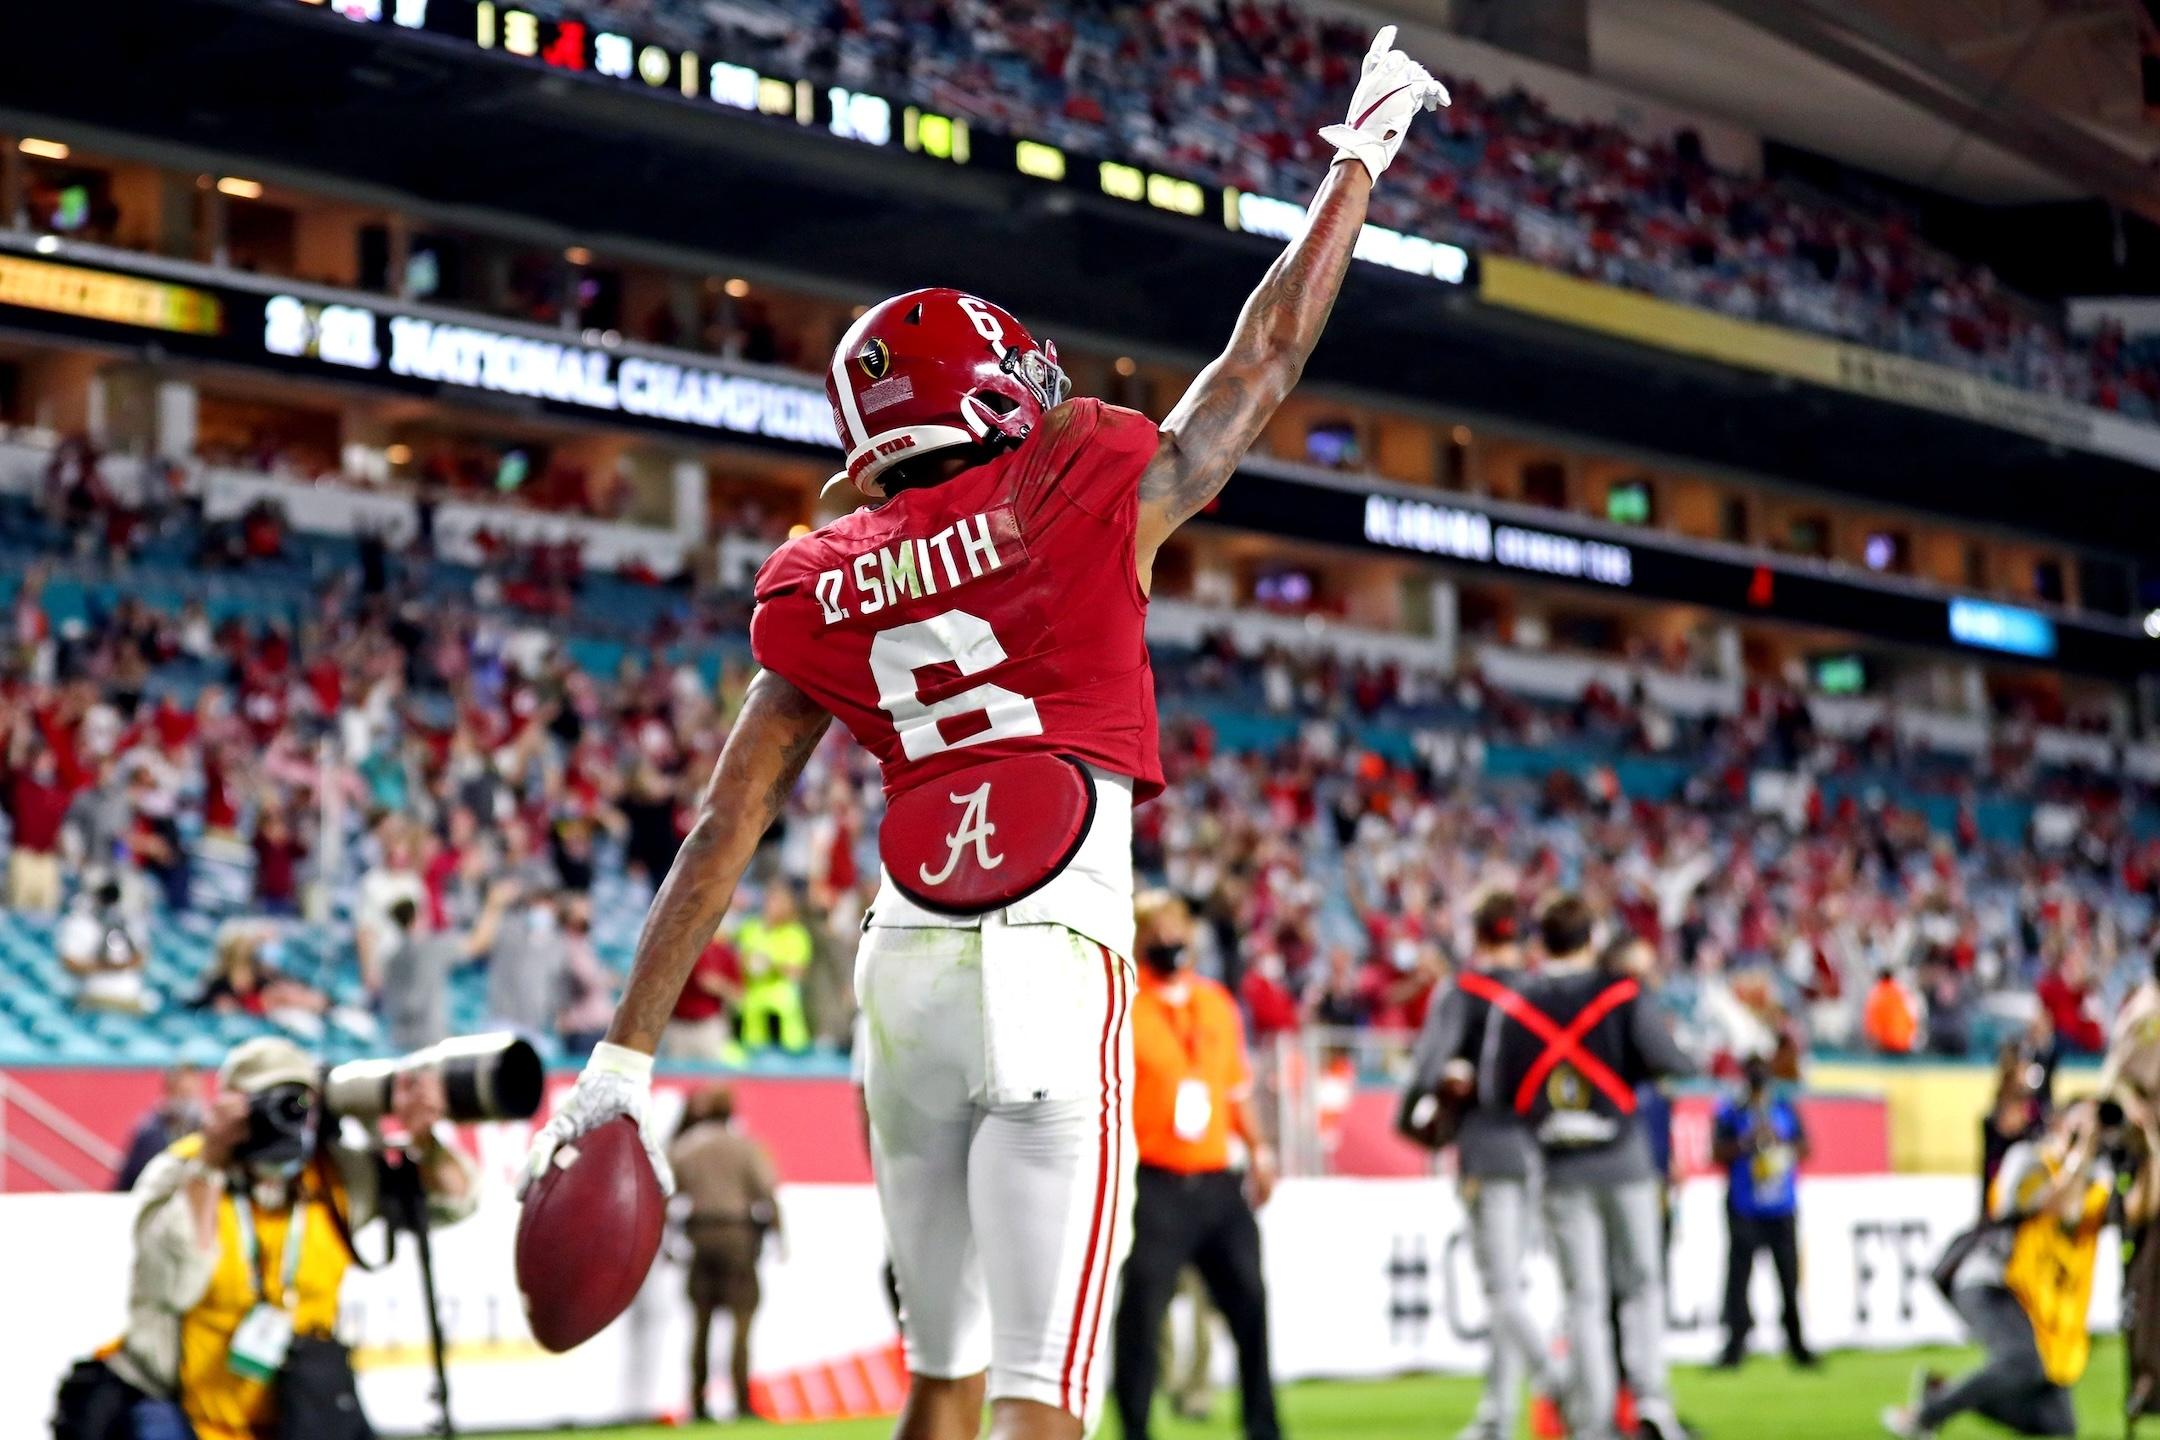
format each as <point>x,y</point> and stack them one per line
<point>265,1334</point>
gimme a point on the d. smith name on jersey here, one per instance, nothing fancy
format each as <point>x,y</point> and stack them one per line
<point>910,567</point>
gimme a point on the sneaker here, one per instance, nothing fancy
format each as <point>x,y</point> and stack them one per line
<point>1655,1420</point>
<point>1903,1421</point>
<point>1730,1360</point>
<point>1547,1422</point>
<point>1806,1359</point>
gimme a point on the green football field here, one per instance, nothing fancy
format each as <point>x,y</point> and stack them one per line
<point>1766,1401</point>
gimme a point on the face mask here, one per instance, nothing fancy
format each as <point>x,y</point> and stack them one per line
<point>1164,957</point>
<point>271,1188</point>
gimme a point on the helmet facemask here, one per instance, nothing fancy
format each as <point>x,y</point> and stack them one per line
<point>935,369</point>
<point>998,413</point>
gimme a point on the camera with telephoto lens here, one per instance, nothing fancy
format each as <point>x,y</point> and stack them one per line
<point>484,1077</point>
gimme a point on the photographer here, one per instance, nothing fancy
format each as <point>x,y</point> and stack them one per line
<point>1762,1144</point>
<point>242,1241</point>
<point>2022,1281</point>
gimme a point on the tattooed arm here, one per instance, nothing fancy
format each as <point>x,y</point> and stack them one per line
<point>772,740</point>
<point>1227,406</point>
<point>1233,399</point>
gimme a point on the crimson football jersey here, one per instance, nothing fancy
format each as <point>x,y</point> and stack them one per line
<point>995,614</point>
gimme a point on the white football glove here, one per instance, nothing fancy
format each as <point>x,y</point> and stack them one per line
<point>1392,89</point>
<point>616,1081</point>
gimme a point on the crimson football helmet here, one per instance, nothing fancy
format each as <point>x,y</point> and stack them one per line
<point>931,369</point>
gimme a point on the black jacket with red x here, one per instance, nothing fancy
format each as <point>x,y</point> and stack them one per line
<point>1566,1050</point>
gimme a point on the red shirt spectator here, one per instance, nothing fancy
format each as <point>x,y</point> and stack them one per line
<point>2066,994</point>
<point>37,806</point>
<point>717,974</point>
<point>1268,1000</point>
<point>278,853</point>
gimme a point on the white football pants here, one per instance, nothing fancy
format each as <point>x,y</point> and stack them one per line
<point>998,1082</point>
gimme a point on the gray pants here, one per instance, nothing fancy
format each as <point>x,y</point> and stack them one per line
<point>2011,1386</point>
<point>1499,1212</point>
<point>1610,1231</point>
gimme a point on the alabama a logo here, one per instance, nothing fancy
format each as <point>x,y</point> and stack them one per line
<point>874,358</point>
<point>974,829</point>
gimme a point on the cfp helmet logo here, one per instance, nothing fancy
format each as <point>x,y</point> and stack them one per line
<point>1566,1090</point>
<point>975,829</point>
<point>874,358</point>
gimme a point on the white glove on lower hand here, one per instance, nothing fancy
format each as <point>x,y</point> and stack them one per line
<point>1391,90</point>
<point>616,1081</point>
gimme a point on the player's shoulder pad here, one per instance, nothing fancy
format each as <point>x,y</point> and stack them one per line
<point>802,556</point>
<point>1123,429</point>
<point>1096,424</point>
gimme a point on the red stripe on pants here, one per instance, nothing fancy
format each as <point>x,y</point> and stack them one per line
<point>1102,1178</point>
<point>1117,1181</point>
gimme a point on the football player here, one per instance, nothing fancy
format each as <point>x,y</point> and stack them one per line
<point>979,629</point>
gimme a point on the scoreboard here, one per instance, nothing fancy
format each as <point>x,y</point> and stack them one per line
<point>604,54</point>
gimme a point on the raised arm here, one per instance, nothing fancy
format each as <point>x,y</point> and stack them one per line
<point>1234,397</point>
<point>771,741</point>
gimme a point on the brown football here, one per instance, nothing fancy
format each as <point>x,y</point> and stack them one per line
<point>588,1234</point>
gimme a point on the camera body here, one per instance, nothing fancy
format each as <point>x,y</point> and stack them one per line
<point>281,1126</point>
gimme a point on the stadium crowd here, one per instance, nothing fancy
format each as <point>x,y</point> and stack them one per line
<point>1233,93</point>
<point>445,787</point>
<point>1827,912</point>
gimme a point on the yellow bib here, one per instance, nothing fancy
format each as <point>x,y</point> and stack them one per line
<point>220,1404</point>
<point>2051,1273</point>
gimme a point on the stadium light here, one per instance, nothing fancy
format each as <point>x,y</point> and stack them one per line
<point>43,149</point>
<point>398,454</point>
<point>240,189</point>
<point>737,288</point>
<point>577,255</point>
<point>1124,365</point>
<point>2152,624</point>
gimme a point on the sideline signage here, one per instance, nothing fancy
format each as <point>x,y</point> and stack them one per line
<point>1365,1278</point>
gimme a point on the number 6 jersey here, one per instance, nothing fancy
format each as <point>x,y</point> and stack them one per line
<point>993,616</point>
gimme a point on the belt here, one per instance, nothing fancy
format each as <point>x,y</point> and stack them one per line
<point>1192,1178</point>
